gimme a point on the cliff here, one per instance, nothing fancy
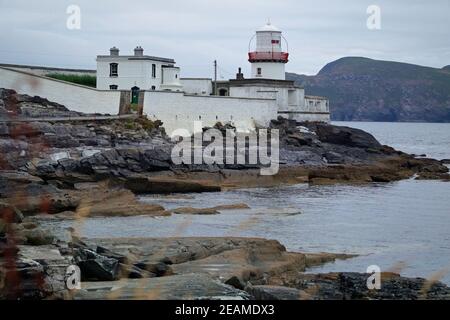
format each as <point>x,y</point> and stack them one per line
<point>362,89</point>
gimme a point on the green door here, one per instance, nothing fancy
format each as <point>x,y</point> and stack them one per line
<point>134,95</point>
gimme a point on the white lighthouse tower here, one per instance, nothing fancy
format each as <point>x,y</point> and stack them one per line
<point>268,59</point>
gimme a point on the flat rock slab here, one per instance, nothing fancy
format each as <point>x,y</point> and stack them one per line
<point>176,250</point>
<point>177,287</point>
<point>231,260</point>
<point>41,253</point>
<point>274,293</point>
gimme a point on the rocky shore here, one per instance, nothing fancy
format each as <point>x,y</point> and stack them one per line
<point>81,169</point>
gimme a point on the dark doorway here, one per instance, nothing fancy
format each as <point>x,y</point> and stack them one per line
<point>223,92</point>
<point>135,95</point>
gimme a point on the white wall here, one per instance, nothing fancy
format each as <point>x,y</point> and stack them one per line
<point>178,110</point>
<point>316,104</point>
<point>269,70</point>
<point>314,109</point>
<point>305,116</point>
<point>298,106</point>
<point>171,79</point>
<point>280,94</point>
<point>74,97</point>
<point>201,87</point>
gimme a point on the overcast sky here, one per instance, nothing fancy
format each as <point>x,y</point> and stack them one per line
<point>195,32</point>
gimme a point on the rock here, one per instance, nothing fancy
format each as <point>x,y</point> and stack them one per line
<point>235,282</point>
<point>23,280</point>
<point>199,211</point>
<point>334,157</point>
<point>176,251</point>
<point>12,176</point>
<point>3,227</point>
<point>37,273</point>
<point>317,259</point>
<point>117,203</point>
<point>109,254</point>
<point>433,176</point>
<point>177,287</point>
<point>266,292</point>
<point>445,161</point>
<point>159,269</point>
<point>145,185</point>
<point>207,211</point>
<point>133,272</point>
<point>9,213</point>
<point>60,155</point>
<point>236,206</point>
<point>255,262</point>
<point>346,136</point>
<point>96,267</point>
<point>351,286</point>
<point>37,236</point>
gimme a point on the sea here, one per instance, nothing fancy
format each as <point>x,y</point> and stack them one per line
<point>401,226</point>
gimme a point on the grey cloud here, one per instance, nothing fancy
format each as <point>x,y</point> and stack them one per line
<point>196,32</point>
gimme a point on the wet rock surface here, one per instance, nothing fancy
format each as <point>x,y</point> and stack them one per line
<point>353,286</point>
<point>79,170</point>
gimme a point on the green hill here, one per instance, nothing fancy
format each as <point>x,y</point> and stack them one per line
<point>372,90</point>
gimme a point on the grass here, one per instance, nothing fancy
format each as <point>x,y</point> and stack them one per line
<point>85,80</point>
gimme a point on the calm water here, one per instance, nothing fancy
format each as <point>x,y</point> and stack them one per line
<point>404,223</point>
<point>432,139</point>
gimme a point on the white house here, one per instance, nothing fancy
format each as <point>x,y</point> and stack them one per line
<point>124,72</point>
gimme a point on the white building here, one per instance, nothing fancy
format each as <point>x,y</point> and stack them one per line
<point>268,59</point>
<point>268,80</point>
<point>124,72</point>
<point>131,83</point>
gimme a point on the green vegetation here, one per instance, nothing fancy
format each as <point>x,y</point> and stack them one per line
<point>142,122</point>
<point>85,80</point>
<point>134,107</point>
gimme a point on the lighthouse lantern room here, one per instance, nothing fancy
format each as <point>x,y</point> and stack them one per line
<point>268,59</point>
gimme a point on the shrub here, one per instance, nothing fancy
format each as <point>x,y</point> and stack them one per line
<point>86,80</point>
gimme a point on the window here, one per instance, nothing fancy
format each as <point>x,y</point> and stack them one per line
<point>259,71</point>
<point>292,97</point>
<point>176,76</point>
<point>113,87</point>
<point>153,88</point>
<point>113,70</point>
<point>153,70</point>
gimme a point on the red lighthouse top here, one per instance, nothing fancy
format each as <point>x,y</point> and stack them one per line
<point>268,46</point>
<point>270,56</point>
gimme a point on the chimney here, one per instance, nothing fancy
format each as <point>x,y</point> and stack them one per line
<point>239,75</point>
<point>138,51</point>
<point>114,51</point>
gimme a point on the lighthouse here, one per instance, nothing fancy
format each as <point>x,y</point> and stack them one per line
<point>268,58</point>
